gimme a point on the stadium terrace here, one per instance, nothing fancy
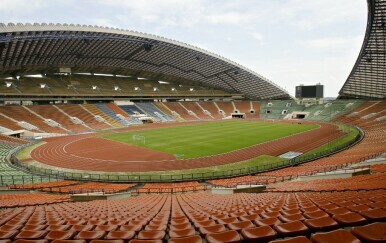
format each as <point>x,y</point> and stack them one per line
<point>110,135</point>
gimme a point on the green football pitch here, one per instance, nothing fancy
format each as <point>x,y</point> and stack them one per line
<point>210,138</point>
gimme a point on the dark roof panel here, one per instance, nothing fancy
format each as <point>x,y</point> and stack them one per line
<point>368,77</point>
<point>95,49</point>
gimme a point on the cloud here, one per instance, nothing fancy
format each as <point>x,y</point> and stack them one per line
<point>334,42</point>
<point>104,22</point>
<point>160,12</point>
<point>304,41</point>
<point>18,10</point>
<point>310,15</point>
<point>259,37</point>
<point>226,18</point>
<point>300,14</point>
<point>180,12</point>
<point>17,5</point>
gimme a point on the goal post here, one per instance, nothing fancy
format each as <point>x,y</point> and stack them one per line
<point>140,138</point>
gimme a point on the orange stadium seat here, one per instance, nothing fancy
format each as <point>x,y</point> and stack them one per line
<point>340,235</point>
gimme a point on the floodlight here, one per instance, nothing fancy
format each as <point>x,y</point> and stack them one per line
<point>8,84</point>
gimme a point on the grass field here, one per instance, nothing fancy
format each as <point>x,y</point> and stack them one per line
<point>25,153</point>
<point>211,138</point>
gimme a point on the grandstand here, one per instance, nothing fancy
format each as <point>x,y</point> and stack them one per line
<point>154,112</point>
<point>68,90</point>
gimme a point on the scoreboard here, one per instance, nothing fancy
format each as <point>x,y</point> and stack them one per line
<point>310,91</point>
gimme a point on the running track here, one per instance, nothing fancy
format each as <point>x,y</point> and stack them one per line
<point>88,152</point>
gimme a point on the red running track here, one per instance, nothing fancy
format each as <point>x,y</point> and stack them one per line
<point>87,152</point>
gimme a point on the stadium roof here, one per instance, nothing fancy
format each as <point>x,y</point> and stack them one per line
<point>27,48</point>
<point>368,77</point>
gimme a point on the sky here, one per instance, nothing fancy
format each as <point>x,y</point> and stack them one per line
<point>290,42</point>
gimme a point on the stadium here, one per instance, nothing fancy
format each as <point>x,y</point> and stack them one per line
<point>110,135</point>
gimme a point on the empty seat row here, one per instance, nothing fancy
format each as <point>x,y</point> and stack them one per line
<point>202,216</point>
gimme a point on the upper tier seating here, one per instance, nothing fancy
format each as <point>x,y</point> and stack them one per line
<point>77,84</point>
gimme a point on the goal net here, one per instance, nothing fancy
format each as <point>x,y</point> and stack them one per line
<point>139,138</point>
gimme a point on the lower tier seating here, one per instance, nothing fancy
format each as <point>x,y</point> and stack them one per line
<point>44,185</point>
<point>89,187</point>
<point>10,175</point>
<point>20,200</point>
<point>4,139</point>
<point>248,180</point>
<point>360,182</point>
<point>171,187</point>
<point>265,217</point>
